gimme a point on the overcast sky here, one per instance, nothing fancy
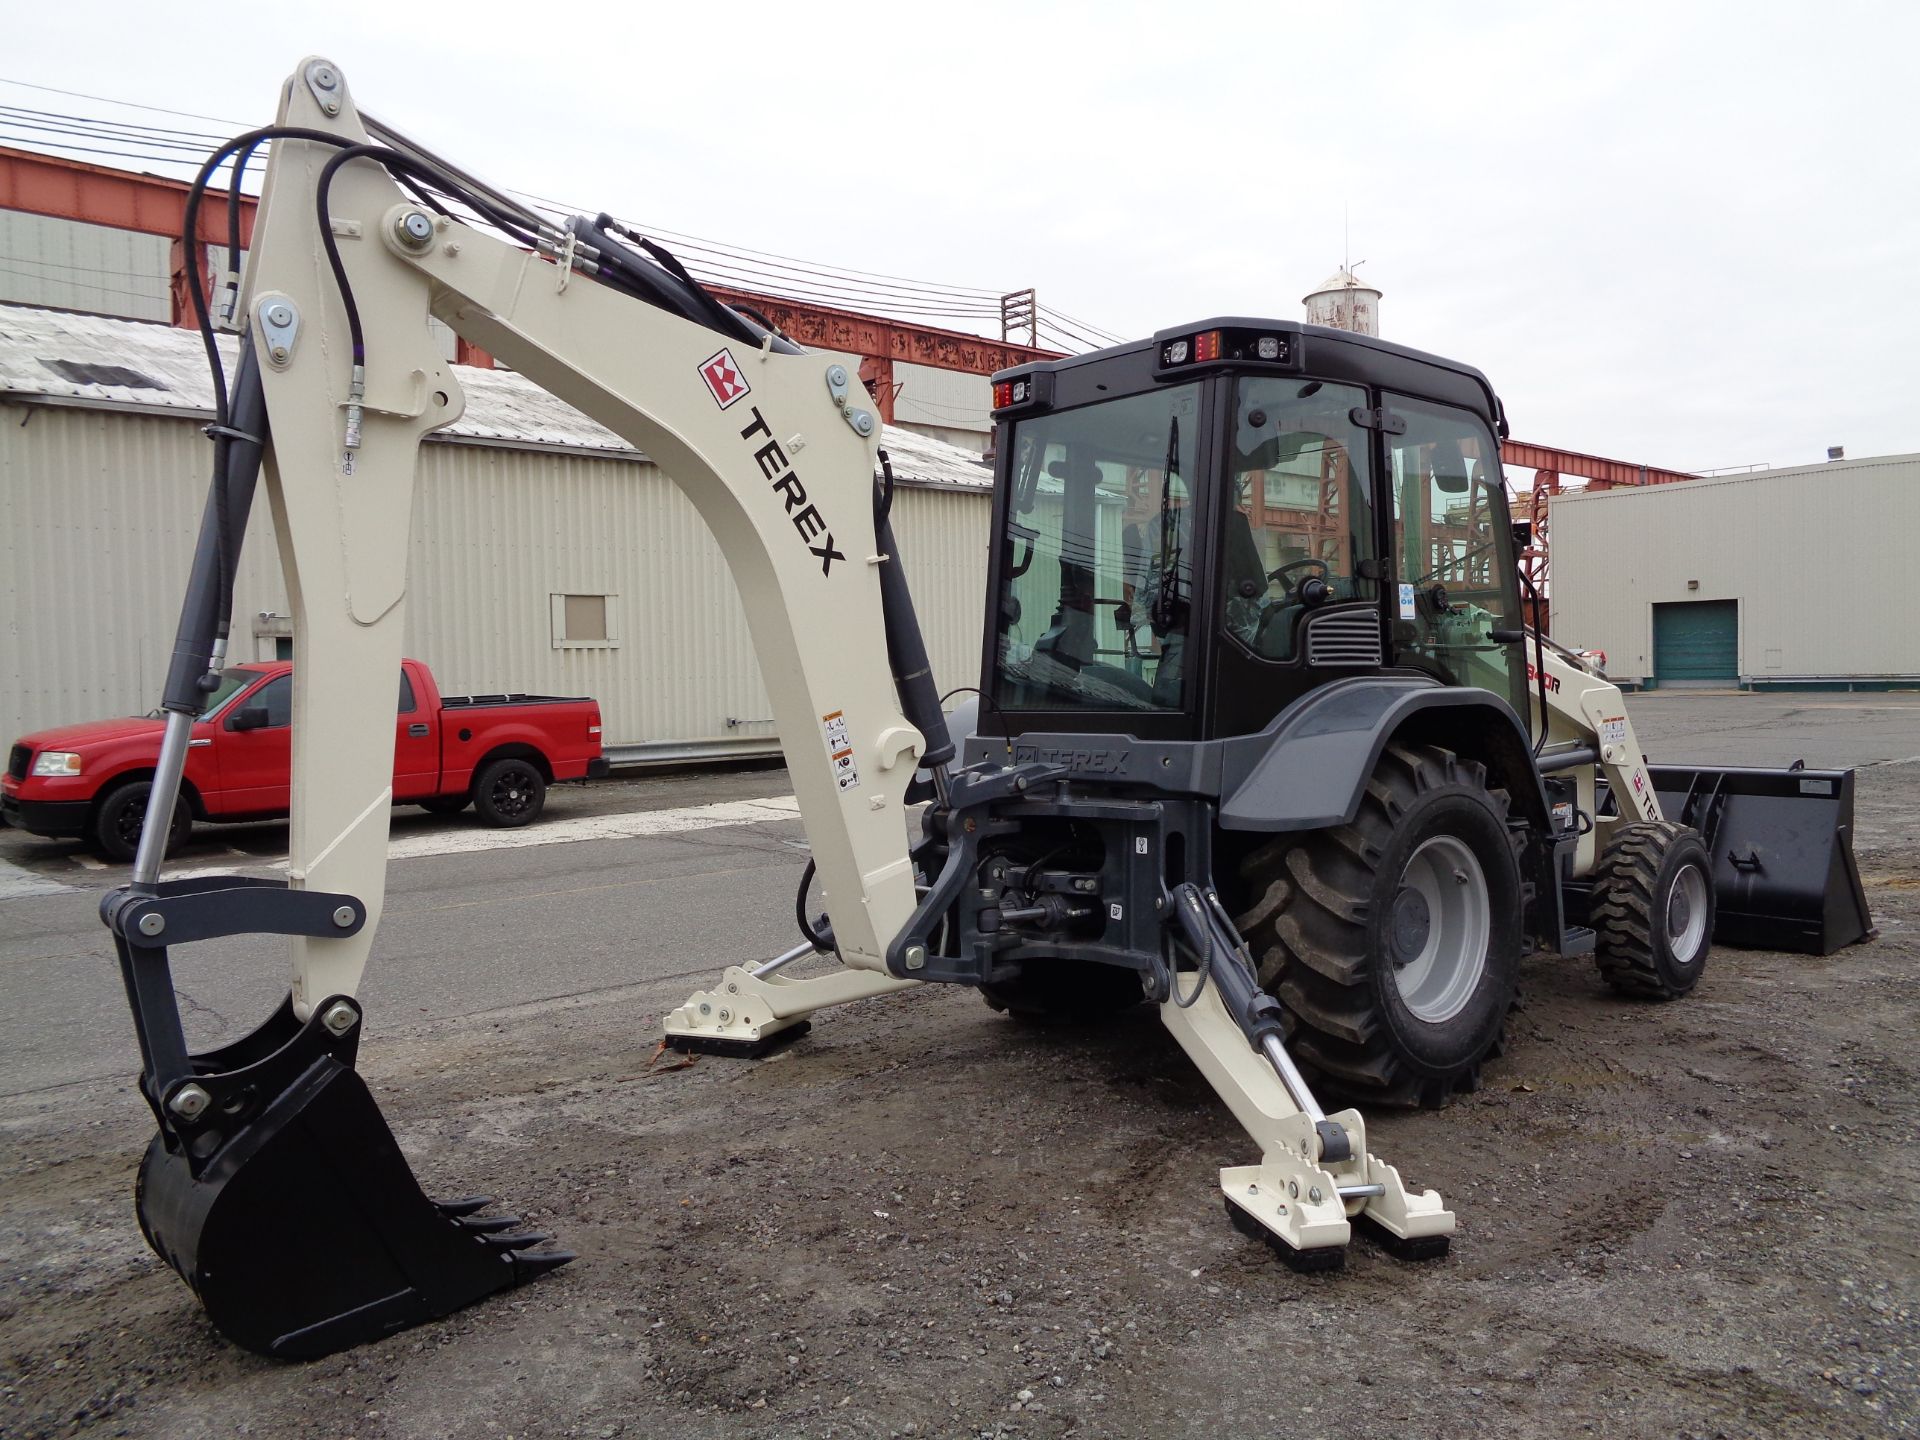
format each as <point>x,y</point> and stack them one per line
<point>1686,235</point>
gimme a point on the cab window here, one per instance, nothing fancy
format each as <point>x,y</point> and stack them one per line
<point>1453,550</point>
<point>1098,566</point>
<point>1301,509</point>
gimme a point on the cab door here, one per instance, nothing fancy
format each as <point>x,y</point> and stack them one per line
<point>1456,584</point>
<point>256,749</point>
<point>416,746</point>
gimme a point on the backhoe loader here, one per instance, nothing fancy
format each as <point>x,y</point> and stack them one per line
<point>1262,738</point>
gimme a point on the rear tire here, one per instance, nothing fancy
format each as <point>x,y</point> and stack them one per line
<point>1393,943</point>
<point>446,804</point>
<point>510,793</point>
<point>121,816</point>
<point>1652,909</point>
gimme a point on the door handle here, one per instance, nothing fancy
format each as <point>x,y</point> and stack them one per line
<point>416,730</point>
<point>197,744</point>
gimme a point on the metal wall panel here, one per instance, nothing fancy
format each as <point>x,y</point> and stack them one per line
<point>98,512</point>
<point>1815,555</point>
<point>69,265</point>
<point>951,399</point>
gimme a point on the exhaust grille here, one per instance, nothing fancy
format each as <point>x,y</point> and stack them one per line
<point>18,761</point>
<point>1344,637</point>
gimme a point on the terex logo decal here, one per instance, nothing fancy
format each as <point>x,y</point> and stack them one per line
<point>724,379</point>
<point>1096,762</point>
<point>779,472</point>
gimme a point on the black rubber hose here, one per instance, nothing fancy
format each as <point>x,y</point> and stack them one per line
<point>822,943</point>
<point>1191,911</point>
<point>906,646</point>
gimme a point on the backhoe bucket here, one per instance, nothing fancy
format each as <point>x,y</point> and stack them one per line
<point>301,1228</point>
<point>1784,876</point>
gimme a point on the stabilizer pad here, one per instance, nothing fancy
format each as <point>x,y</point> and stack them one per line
<point>1409,1247</point>
<point>738,1049</point>
<point>1301,1262</point>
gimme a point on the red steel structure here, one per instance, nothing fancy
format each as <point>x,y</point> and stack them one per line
<point>1549,465</point>
<point>151,205</point>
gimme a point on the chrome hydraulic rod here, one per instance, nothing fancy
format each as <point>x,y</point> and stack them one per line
<point>783,959</point>
<point>161,799</point>
<point>1291,1077</point>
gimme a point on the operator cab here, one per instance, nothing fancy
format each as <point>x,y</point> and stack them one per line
<point>1199,529</point>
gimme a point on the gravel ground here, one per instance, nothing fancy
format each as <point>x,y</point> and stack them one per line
<point>925,1219</point>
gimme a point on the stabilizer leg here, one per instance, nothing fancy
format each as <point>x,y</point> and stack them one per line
<point>750,1012</point>
<point>1315,1177</point>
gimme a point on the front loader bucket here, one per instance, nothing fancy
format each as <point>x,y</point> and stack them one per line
<point>305,1232</point>
<point>1782,842</point>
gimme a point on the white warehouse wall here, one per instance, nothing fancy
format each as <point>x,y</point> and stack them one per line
<point>1815,555</point>
<point>99,509</point>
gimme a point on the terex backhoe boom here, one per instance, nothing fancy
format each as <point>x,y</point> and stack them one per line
<point>1269,774</point>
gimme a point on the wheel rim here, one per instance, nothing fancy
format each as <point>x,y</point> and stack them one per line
<point>130,821</point>
<point>513,794</point>
<point>1439,928</point>
<point>1687,914</point>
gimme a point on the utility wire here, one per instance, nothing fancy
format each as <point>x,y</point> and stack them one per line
<point>737,267</point>
<point>108,100</point>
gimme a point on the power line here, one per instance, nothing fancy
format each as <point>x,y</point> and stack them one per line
<point>129,104</point>
<point>744,267</point>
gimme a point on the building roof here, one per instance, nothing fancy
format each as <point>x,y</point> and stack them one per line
<point>1824,471</point>
<point>1340,280</point>
<point>140,367</point>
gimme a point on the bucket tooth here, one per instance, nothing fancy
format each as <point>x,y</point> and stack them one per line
<point>464,1206</point>
<point>532,1264</point>
<point>488,1224</point>
<point>517,1240</point>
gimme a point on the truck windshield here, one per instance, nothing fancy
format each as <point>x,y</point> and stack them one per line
<point>1097,573</point>
<point>231,683</point>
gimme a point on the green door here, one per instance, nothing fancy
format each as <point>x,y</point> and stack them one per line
<point>1697,643</point>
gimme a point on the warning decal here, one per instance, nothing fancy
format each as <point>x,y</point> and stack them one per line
<point>845,773</point>
<point>723,378</point>
<point>1614,731</point>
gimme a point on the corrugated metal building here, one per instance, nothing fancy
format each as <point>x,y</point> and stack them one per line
<point>1777,578</point>
<point>521,504</point>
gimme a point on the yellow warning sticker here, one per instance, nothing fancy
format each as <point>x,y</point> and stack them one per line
<point>846,773</point>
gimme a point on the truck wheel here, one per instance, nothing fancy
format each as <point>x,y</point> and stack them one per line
<point>1652,909</point>
<point>510,793</point>
<point>1065,992</point>
<point>446,804</point>
<point>121,816</point>
<point>1393,943</point>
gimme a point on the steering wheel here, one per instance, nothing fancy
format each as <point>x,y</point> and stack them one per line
<point>1292,565</point>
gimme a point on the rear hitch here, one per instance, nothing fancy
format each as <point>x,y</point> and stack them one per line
<point>274,1186</point>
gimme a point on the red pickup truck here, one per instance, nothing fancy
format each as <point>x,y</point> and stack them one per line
<point>497,753</point>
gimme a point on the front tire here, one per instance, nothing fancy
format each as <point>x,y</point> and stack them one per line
<point>121,816</point>
<point>1652,909</point>
<point>510,793</point>
<point>1393,942</point>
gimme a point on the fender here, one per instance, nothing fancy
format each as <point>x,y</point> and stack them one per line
<point>1309,768</point>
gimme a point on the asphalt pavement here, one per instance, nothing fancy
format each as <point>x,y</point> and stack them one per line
<point>656,893</point>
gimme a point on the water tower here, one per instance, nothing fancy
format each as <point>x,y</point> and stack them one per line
<point>1344,303</point>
